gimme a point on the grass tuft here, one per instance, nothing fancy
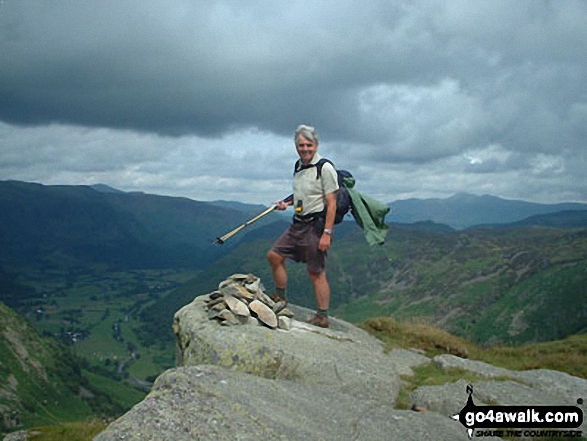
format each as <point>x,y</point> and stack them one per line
<point>414,334</point>
<point>76,431</point>
<point>568,355</point>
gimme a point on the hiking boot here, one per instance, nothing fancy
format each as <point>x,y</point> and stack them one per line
<point>278,299</point>
<point>319,320</point>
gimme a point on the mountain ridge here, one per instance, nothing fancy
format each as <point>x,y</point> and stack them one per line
<point>39,222</point>
<point>464,210</point>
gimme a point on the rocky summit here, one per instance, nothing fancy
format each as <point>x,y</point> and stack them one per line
<point>252,380</point>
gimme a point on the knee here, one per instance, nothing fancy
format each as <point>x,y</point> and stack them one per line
<point>274,258</point>
<point>317,277</point>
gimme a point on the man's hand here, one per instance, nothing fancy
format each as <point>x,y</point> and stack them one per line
<point>325,241</point>
<point>281,205</point>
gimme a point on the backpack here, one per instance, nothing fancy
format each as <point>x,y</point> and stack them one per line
<point>343,198</point>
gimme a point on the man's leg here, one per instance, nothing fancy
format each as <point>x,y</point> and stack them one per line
<point>321,291</point>
<point>277,263</point>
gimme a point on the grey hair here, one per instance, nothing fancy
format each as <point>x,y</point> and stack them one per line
<point>307,132</point>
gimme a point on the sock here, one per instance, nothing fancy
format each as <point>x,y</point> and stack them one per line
<point>323,312</point>
<point>281,293</point>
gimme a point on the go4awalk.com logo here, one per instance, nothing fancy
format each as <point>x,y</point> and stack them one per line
<point>520,421</point>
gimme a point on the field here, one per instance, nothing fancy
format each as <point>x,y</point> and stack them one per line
<point>96,313</point>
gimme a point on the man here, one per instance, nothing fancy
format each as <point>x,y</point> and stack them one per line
<point>309,237</point>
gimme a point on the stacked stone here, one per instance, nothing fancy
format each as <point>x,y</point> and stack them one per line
<point>241,300</point>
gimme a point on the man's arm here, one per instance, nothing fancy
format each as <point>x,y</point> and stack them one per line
<point>284,203</point>
<point>326,239</point>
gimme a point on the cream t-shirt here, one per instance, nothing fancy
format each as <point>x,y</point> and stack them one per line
<point>311,191</point>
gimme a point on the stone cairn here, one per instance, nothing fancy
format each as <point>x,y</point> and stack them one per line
<point>241,300</point>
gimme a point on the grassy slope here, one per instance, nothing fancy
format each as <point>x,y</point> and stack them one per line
<point>568,355</point>
<point>41,382</point>
<point>518,285</point>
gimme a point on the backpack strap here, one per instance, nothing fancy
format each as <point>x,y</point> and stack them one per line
<point>299,166</point>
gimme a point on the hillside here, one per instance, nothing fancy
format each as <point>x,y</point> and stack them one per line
<point>515,285</point>
<point>79,225</point>
<point>465,210</point>
<point>41,382</point>
<point>561,219</point>
<point>519,285</point>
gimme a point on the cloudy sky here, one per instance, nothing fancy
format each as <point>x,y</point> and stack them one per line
<point>200,98</point>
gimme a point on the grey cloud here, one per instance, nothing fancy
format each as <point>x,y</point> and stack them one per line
<point>388,83</point>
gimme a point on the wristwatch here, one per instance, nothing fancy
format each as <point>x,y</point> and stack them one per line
<point>328,231</point>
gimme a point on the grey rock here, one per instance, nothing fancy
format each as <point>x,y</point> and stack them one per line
<point>552,385</point>
<point>513,393</point>
<point>245,278</point>
<point>242,295</point>
<point>231,289</point>
<point>507,387</point>
<point>255,286</point>
<point>228,318</point>
<point>278,307</point>
<point>253,321</point>
<point>342,357</point>
<point>213,403</point>
<point>555,383</point>
<point>447,399</point>
<point>213,313</point>
<point>285,323</point>
<point>215,295</point>
<point>216,302</point>
<point>448,361</point>
<point>285,312</point>
<point>262,297</point>
<point>237,307</point>
<point>264,313</point>
<point>405,360</point>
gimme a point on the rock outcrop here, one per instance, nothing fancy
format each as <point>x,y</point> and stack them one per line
<point>260,382</point>
<point>241,300</point>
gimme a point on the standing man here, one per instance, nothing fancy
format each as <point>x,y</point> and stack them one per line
<point>310,235</point>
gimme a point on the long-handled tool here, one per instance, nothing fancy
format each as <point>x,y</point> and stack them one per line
<point>222,239</point>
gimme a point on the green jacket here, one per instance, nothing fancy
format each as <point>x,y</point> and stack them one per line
<point>369,214</point>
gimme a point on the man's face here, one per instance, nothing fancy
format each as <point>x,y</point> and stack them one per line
<point>306,149</point>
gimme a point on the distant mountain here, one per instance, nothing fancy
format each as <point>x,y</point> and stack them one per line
<point>240,206</point>
<point>76,225</point>
<point>464,210</point>
<point>562,219</point>
<point>105,188</point>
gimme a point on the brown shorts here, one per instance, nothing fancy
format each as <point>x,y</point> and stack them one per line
<point>300,244</point>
